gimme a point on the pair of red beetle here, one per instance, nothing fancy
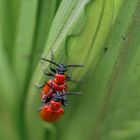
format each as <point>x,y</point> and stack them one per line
<point>54,92</point>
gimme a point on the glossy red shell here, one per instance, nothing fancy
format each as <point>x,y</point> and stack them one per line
<point>46,89</point>
<point>60,79</point>
<point>51,112</point>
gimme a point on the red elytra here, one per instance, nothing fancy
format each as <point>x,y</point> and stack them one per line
<point>51,112</point>
<point>58,84</point>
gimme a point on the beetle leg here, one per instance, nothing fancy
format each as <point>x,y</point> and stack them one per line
<point>76,81</point>
<point>64,102</point>
<point>48,74</point>
<point>45,99</point>
<point>39,109</point>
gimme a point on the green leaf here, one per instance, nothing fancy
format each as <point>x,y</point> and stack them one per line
<point>7,82</point>
<point>24,39</point>
<point>7,97</point>
<point>8,19</point>
<point>46,13</point>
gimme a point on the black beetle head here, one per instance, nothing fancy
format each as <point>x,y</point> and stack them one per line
<point>61,69</point>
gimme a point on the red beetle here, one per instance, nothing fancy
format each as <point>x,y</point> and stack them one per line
<point>54,92</point>
<point>51,112</point>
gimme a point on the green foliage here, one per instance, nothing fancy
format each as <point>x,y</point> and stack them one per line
<point>101,34</point>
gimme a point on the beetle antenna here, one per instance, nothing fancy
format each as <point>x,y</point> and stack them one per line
<point>49,61</point>
<point>76,66</point>
<point>52,59</point>
<point>72,93</point>
<point>53,70</point>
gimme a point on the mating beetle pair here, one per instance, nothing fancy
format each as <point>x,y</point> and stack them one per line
<point>54,91</point>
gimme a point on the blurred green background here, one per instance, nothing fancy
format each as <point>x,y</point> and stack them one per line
<point>104,35</point>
